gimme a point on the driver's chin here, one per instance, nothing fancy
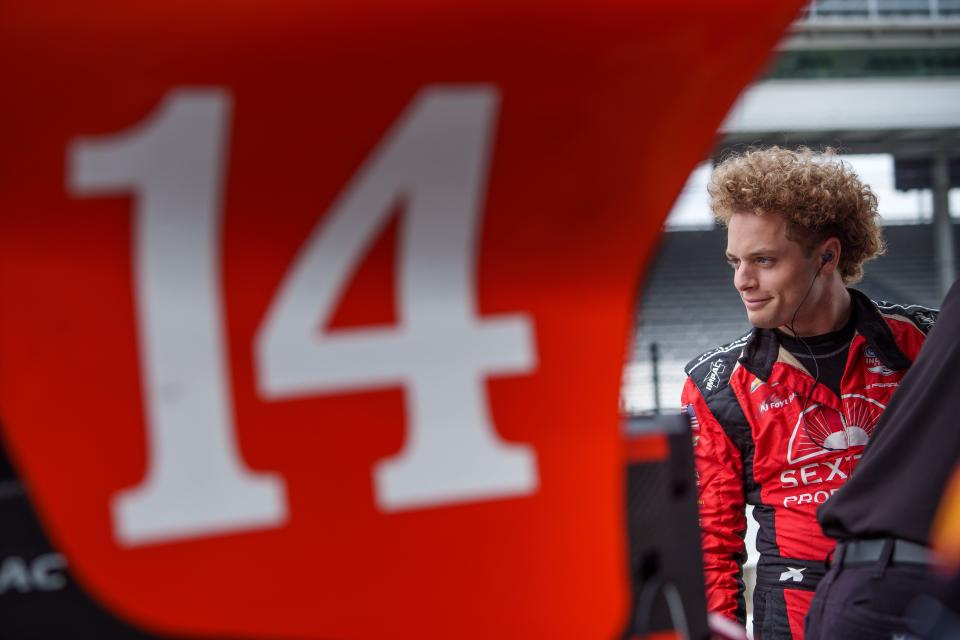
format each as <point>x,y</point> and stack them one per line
<point>762,319</point>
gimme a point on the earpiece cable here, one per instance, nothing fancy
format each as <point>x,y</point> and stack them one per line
<point>816,365</point>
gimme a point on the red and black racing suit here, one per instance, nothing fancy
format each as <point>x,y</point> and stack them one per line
<point>753,446</point>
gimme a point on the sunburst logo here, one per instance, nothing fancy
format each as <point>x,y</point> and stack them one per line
<point>821,430</point>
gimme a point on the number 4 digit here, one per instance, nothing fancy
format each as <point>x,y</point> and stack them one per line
<point>436,158</point>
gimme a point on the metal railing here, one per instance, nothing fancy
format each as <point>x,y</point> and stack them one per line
<point>880,10</point>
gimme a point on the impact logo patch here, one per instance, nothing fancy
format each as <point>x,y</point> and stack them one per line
<point>713,378</point>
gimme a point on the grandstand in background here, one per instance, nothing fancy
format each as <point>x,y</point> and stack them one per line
<point>867,77</point>
<point>863,76</point>
<point>689,305</point>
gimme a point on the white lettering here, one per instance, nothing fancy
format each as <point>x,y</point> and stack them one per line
<point>47,572</point>
<point>14,574</point>
<point>818,497</point>
<point>814,473</point>
<point>44,573</point>
<point>774,402</point>
<point>809,471</point>
<point>882,385</point>
<point>787,478</point>
<point>835,469</point>
<point>196,481</point>
<point>435,159</point>
<point>441,350</point>
<point>716,370</point>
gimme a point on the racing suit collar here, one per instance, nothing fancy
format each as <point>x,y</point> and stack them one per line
<point>763,347</point>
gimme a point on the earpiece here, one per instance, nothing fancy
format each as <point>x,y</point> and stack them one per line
<point>827,257</point>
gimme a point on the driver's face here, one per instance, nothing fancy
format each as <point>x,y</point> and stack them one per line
<point>771,272</point>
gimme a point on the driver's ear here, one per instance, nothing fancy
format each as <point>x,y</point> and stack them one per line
<point>830,253</point>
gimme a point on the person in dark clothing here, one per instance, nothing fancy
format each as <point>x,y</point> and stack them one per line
<point>882,516</point>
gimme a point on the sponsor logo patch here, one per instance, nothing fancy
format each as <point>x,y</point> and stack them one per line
<point>773,401</point>
<point>713,378</point>
<point>874,364</point>
<point>795,575</point>
<point>924,318</point>
<point>881,370</point>
<point>821,430</point>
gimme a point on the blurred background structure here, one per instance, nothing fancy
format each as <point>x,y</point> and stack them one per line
<point>878,80</point>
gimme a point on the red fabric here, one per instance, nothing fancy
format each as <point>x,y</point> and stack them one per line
<point>798,603</point>
<point>795,475</point>
<point>721,501</point>
<point>603,109</point>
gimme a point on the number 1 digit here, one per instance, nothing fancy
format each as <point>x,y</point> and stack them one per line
<point>196,482</point>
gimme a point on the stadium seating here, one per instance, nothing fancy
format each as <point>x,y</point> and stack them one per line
<point>688,304</point>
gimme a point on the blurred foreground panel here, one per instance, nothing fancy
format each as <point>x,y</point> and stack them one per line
<point>314,314</point>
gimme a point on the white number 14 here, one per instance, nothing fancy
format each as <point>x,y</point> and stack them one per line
<point>441,351</point>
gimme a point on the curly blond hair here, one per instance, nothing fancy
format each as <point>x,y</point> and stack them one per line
<point>820,195</point>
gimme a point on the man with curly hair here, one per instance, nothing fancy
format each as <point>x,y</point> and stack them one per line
<point>781,415</point>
